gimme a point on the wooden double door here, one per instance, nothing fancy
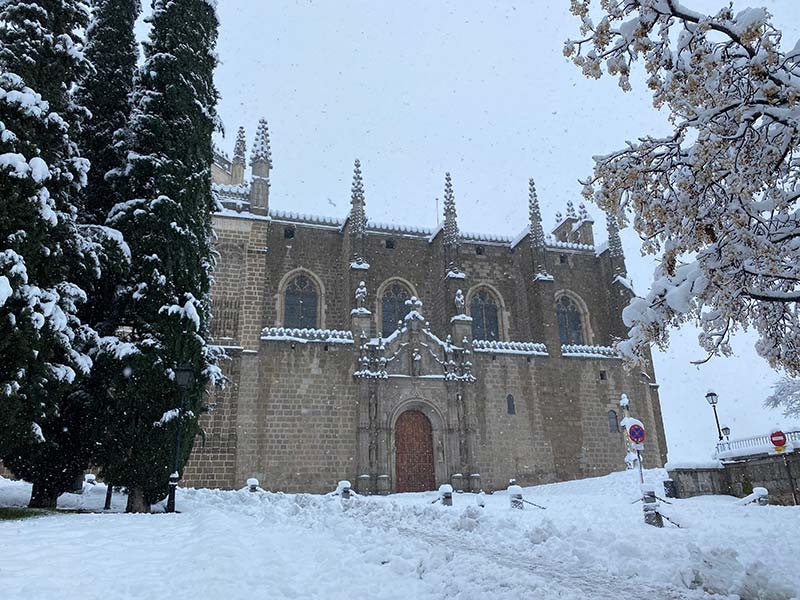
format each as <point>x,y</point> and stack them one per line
<point>414,469</point>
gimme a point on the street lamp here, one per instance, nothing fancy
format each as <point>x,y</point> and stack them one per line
<point>184,378</point>
<point>726,431</point>
<point>712,399</point>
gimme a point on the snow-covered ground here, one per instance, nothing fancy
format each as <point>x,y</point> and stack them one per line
<point>590,542</point>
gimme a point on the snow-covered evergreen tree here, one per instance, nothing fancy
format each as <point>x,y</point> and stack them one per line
<point>166,220</point>
<point>716,200</point>
<point>45,256</point>
<point>112,52</point>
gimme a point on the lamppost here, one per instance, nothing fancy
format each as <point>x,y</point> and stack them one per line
<point>712,399</point>
<point>726,431</point>
<point>184,377</point>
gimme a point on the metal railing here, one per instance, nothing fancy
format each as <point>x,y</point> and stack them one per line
<point>757,444</point>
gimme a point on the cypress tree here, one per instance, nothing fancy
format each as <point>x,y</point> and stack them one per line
<point>112,52</point>
<point>166,219</point>
<point>45,255</point>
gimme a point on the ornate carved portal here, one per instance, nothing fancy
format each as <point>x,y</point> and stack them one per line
<point>414,466</point>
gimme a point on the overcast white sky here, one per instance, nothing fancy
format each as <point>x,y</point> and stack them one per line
<point>477,88</point>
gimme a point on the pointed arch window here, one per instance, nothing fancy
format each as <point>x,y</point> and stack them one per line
<point>511,407</point>
<point>483,310</point>
<point>570,323</point>
<point>393,306</point>
<point>300,306</point>
<point>613,423</point>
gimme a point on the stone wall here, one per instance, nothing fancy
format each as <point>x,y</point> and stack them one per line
<point>738,478</point>
<point>212,463</point>
<point>561,427</point>
<point>290,414</point>
<point>297,418</point>
<point>692,482</point>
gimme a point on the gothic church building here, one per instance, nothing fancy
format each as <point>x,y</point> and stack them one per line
<point>401,358</point>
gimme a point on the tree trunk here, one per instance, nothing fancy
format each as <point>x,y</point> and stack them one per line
<point>43,497</point>
<point>136,503</point>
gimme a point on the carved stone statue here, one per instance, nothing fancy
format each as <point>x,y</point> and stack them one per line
<point>460,303</point>
<point>416,363</point>
<point>361,295</point>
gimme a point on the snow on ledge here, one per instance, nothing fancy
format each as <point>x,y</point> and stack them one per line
<point>625,282</point>
<point>495,347</point>
<point>582,351</point>
<point>693,464</point>
<point>304,336</point>
<point>559,245</point>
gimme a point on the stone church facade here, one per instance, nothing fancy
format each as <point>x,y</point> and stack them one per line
<point>401,358</point>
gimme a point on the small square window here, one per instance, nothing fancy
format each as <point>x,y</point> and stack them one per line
<point>603,376</point>
<point>480,250</point>
<point>562,258</point>
<point>390,244</point>
<point>288,233</point>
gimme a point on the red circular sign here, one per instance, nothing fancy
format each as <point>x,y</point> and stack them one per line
<point>778,438</point>
<point>636,433</point>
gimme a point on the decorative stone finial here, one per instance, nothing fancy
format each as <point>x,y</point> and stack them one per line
<point>537,233</point>
<point>559,217</point>
<point>358,220</point>
<point>615,245</point>
<point>571,210</point>
<point>583,214</point>
<point>261,148</point>
<point>358,214</point>
<point>240,147</point>
<point>451,234</point>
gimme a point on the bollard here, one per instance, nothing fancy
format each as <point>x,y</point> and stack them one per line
<point>762,496</point>
<point>344,489</point>
<point>480,499</point>
<point>650,506</point>
<point>515,496</point>
<point>670,489</point>
<point>76,487</point>
<point>252,484</point>
<point>446,494</point>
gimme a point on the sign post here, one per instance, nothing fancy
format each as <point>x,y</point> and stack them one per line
<point>637,435</point>
<point>779,440</point>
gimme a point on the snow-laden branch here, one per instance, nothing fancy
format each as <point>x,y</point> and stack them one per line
<point>716,201</point>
